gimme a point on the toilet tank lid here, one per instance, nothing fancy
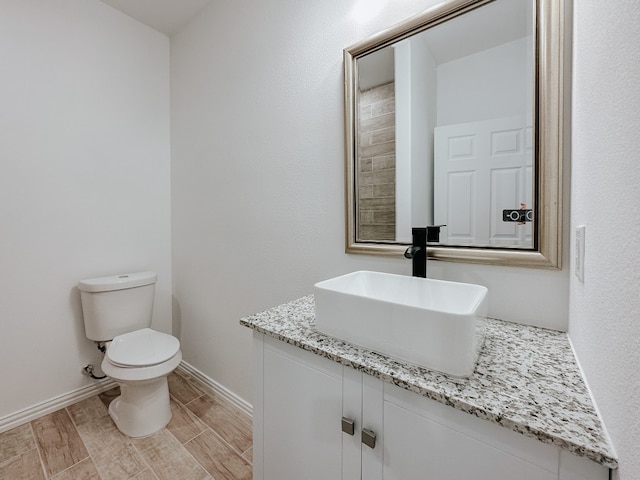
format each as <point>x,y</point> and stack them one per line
<point>117,282</point>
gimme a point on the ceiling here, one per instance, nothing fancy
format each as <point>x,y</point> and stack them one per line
<point>166,16</point>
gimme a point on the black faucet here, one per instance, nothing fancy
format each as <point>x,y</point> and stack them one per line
<point>417,252</point>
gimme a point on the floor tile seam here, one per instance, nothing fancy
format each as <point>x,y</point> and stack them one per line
<point>152,473</point>
<point>53,477</point>
<point>201,423</point>
<point>174,398</point>
<point>33,442</point>
<point>191,380</point>
<point>229,407</point>
<point>245,452</point>
<point>196,435</point>
<point>127,440</point>
<point>140,456</point>
<point>84,443</point>
<point>183,403</point>
<point>238,415</point>
<point>143,458</point>
<point>193,456</point>
<point>221,438</point>
<point>43,466</point>
<point>75,424</point>
<point>188,452</point>
<point>247,459</point>
<point>191,401</point>
<point>14,457</point>
<point>206,390</point>
<point>195,384</point>
<point>213,428</point>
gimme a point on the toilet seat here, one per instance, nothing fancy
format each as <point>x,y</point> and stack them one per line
<point>142,348</point>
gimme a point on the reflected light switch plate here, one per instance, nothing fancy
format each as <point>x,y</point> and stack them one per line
<point>579,267</point>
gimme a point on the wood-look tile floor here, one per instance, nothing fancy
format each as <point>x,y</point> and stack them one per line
<point>207,438</point>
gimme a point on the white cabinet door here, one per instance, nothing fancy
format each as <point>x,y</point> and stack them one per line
<point>352,410</point>
<point>302,409</point>
<point>372,420</point>
<point>418,448</point>
<point>424,440</point>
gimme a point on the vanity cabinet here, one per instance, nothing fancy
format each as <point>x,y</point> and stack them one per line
<point>298,434</point>
<point>303,402</point>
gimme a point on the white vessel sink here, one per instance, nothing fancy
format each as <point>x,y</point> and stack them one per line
<point>424,321</point>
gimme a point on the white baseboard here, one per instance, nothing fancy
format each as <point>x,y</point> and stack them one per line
<point>217,388</point>
<point>43,408</point>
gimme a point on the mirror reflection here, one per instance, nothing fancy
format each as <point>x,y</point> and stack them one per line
<point>444,129</point>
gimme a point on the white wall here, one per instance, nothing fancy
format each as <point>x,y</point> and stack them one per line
<point>605,310</point>
<point>257,177</point>
<point>416,102</point>
<point>493,83</point>
<point>84,182</point>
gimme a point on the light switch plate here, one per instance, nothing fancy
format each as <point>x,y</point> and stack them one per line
<point>579,266</point>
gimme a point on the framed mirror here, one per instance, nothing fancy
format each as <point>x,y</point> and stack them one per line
<point>454,118</point>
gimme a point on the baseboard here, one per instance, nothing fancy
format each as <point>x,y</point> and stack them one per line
<point>217,388</point>
<point>56,403</point>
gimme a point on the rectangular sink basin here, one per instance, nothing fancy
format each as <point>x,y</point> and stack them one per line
<point>431,323</point>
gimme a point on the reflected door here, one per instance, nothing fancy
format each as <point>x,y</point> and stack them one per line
<point>480,169</point>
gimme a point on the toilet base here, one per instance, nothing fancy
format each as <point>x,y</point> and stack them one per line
<point>142,408</point>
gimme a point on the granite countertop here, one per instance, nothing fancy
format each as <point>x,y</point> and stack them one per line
<point>526,378</point>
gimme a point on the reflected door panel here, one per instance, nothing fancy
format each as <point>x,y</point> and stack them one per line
<point>481,169</point>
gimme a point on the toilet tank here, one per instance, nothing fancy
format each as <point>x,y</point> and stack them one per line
<point>118,304</point>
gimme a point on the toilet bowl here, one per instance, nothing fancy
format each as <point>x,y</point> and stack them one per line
<point>140,362</point>
<point>117,313</point>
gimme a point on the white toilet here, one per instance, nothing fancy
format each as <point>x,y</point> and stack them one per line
<point>117,310</point>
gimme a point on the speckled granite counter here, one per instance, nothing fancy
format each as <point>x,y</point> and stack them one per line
<point>526,378</point>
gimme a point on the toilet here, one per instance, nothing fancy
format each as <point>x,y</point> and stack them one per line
<point>117,311</point>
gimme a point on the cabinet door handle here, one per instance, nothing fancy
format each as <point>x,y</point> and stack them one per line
<point>369,438</point>
<point>348,426</point>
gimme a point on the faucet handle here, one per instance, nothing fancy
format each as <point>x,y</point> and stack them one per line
<point>411,251</point>
<point>433,233</point>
